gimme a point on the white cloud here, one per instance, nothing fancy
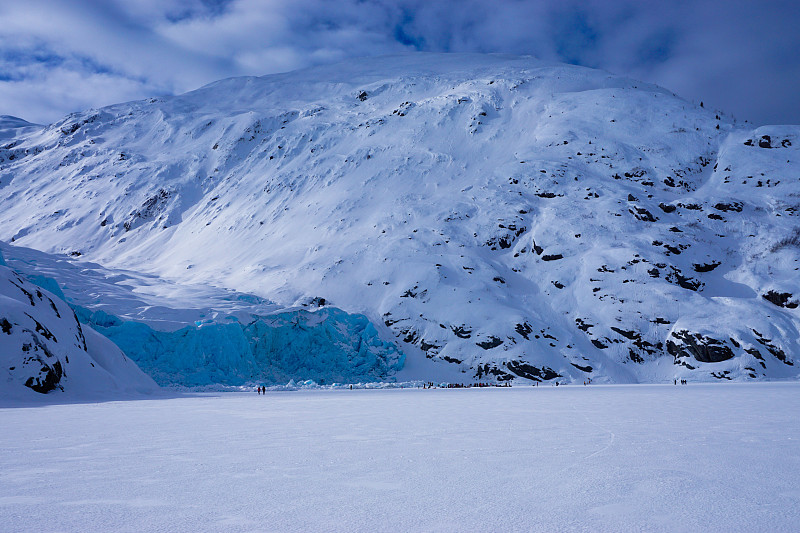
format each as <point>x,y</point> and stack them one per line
<point>726,53</point>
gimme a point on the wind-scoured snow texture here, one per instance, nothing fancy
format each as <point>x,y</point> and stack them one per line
<point>655,458</point>
<point>502,215</point>
<point>43,347</point>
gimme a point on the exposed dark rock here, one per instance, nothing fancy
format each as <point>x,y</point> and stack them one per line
<point>26,293</point>
<point>667,208</point>
<point>425,346</point>
<point>317,301</point>
<point>635,357</point>
<point>771,348</point>
<point>527,371</point>
<point>505,242</point>
<point>632,335</point>
<point>411,336</point>
<point>765,142</point>
<point>489,369</point>
<point>48,376</point>
<point>781,299</point>
<point>700,347</point>
<point>552,257</point>
<point>684,282</point>
<point>586,368</point>
<point>5,325</point>
<point>54,308</point>
<point>755,353</point>
<point>461,332</point>
<point>642,214</point>
<point>524,330</point>
<point>409,293</point>
<point>362,95</point>
<point>583,325</point>
<point>493,342</point>
<point>706,267</point>
<point>599,344</point>
<point>732,206</point>
<point>42,330</point>
<point>150,209</point>
<point>648,347</point>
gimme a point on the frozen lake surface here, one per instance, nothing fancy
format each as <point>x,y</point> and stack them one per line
<point>715,457</point>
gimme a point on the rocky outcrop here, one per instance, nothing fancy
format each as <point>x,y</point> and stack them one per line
<point>701,348</point>
<point>45,349</point>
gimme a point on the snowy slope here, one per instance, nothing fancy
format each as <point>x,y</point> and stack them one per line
<point>43,347</point>
<point>497,215</point>
<point>194,335</point>
<point>13,127</point>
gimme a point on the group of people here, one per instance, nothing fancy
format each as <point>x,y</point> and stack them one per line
<point>675,381</point>
<point>432,385</point>
<point>262,390</point>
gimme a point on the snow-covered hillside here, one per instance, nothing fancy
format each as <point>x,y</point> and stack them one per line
<point>43,347</point>
<point>497,215</point>
<point>195,335</point>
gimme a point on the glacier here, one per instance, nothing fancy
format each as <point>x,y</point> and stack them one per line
<point>328,345</point>
<point>226,343</point>
<point>494,217</point>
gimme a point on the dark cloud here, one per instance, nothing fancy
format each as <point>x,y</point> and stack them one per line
<point>56,56</point>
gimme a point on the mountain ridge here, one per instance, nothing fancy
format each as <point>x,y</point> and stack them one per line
<point>505,216</point>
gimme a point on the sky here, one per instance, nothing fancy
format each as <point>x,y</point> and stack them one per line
<point>59,56</point>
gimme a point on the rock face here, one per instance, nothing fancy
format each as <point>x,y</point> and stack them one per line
<point>43,347</point>
<point>700,347</point>
<point>496,216</point>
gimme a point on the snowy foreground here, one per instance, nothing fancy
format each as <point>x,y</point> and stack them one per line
<point>722,457</point>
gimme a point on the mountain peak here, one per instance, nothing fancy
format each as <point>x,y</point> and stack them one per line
<point>498,215</point>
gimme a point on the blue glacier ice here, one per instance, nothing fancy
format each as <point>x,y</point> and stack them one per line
<point>327,345</point>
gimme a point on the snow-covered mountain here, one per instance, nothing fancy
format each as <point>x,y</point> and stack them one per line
<point>498,216</point>
<point>197,335</point>
<point>44,347</point>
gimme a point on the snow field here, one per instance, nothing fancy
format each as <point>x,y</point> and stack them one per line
<point>722,457</point>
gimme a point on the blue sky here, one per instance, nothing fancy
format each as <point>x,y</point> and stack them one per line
<point>58,56</point>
